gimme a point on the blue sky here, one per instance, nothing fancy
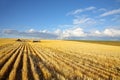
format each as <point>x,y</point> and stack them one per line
<point>60,19</point>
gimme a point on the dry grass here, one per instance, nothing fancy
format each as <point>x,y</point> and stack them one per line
<point>59,60</point>
<point>4,41</point>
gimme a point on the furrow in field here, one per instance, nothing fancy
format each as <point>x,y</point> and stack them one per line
<point>41,65</point>
<point>94,62</point>
<point>67,64</point>
<point>8,55</point>
<point>19,68</point>
<point>33,68</point>
<point>87,60</point>
<point>46,73</point>
<point>7,50</point>
<point>29,61</point>
<point>82,60</point>
<point>24,67</point>
<point>36,61</point>
<point>48,67</point>
<point>5,70</point>
<point>35,74</point>
<point>90,68</point>
<point>67,61</point>
<point>93,65</point>
<point>15,71</point>
<point>54,65</point>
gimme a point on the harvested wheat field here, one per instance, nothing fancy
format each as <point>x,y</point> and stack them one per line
<point>58,60</point>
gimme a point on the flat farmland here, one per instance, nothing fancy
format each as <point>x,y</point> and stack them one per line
<point>59,60</point>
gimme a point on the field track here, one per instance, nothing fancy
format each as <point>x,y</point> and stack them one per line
<point>29,61</point>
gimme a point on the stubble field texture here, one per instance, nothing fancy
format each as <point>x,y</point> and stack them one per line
<point>59,60</point>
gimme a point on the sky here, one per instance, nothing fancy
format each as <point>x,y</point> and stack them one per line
<point>60,19</point>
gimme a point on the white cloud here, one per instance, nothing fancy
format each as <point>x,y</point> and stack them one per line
<point>31,31</point>
<point>95,33</point>
<point>112,12</point>
<point>80,21</point>
<point>44,31</point>
<point>57,31</point>
<point>79,32</point>
<point>108,32</point>
<point>73,32</point>
<point>102,9</point>
<point>89,8</point>
<point>78,11</point>
<point>70,33</point>
<point>84,21</point>
<point>112,32</point>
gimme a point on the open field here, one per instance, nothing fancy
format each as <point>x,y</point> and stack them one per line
<point>113,43</point>
<point>58,60</point>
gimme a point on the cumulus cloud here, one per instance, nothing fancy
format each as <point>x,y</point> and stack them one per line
<point>95,33</point>
<point>77,11</point>
<point>70,33</point>
<point>112,32</point>
<point>73,32</point>
<point>79,33</point>
<point>31,31</point>
<point>108,32</point>
<point>112,12</point>
<point>57,31</point>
